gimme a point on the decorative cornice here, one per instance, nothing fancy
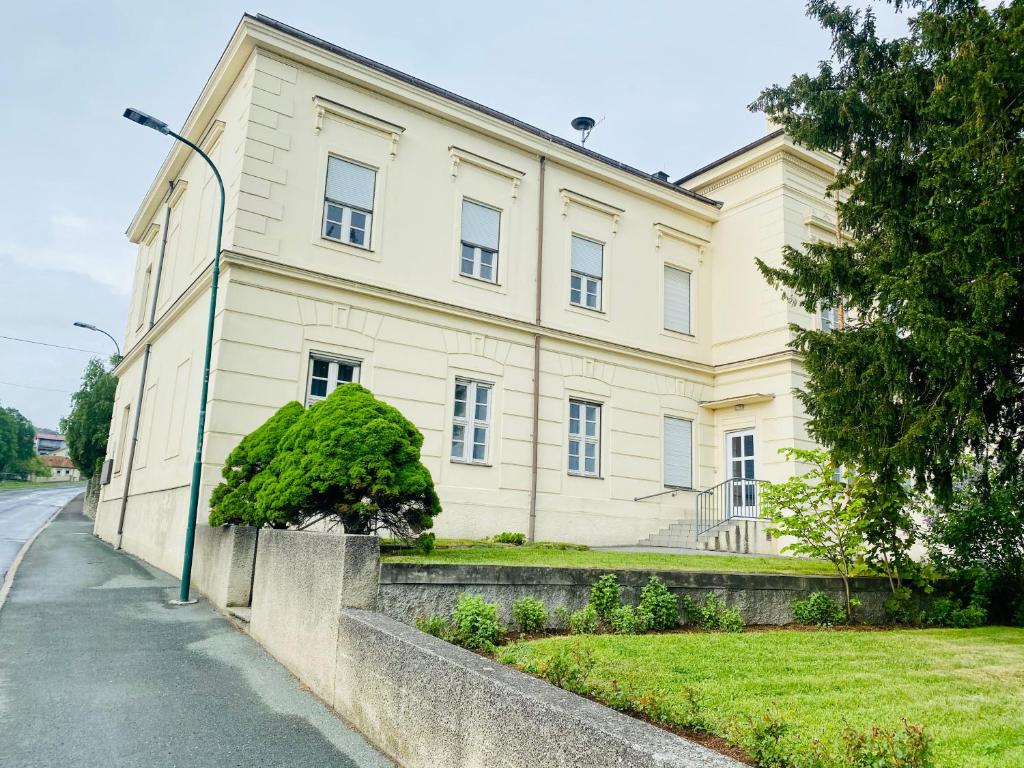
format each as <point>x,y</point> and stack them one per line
<point>773,158</point>
<point>568,196</point>
<point>325,108</point>
<point>459,156</point>
<point>664,230</point>
<point>176,192</point>
<point>150,234</point>
<point>212,136</point>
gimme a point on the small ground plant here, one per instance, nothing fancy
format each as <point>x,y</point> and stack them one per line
<point>627,620</point>
<point>584,621</point>
<point>438,626</point>
<point>475,623</point>
<point>712,615</point>
<point>530,614</point>
<point>606,596</point>
<point>660,604</point>
<point>507,537</point>
<point>818,609</point>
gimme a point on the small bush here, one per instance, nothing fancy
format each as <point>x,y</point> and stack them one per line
<point>880,748</point>
<point>530,614</point>
<point>902,608</point>
<point>818,609</point>
<point>653,704</point>
<point>660,604</point>
<point>424,543</point>
<point>562,617</point>
<point>765,742</point>
<point>438,626</point>
<point>713,615</point>
<point>605,596</point>
<point>947,612</point>
<point>626,620</point>
<point>509,538</point>
<point>569,667</point>
<point>475,623</point>
<point>583,621</point>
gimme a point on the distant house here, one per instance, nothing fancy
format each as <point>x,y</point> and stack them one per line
<point>61,468</point>
<point>49,442</point>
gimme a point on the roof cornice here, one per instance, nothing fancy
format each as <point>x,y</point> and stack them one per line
<point>275,38</point>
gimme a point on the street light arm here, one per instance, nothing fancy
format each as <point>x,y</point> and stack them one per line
<point>116,345</point>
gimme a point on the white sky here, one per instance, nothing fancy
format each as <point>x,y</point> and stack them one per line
<point>671,79</point>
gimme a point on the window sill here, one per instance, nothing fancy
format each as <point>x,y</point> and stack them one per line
<point>465,463</point>
<point>597,314</point>
<point>679,335</point>
<point>479,282</point>
<point>338,246</point>
<point>584,476</point>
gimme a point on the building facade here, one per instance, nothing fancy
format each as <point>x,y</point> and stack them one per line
<point>588,350</point>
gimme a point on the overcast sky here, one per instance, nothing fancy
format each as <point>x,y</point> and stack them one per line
<point>671,81</point>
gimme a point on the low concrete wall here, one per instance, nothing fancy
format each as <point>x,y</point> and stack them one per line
<point>302,580</point>
<point>408,591</point>
<point>223,562</point>
<point>428,704</point>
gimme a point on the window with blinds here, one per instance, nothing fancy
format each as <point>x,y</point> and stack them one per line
<point>587,273</point>
<point>480,229</point>
<point>677,300</point>
<point>678,452</point>
<point>348,202</point>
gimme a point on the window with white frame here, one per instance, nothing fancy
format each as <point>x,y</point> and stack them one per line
<point>480,227</point>
<point>326,373</point>
<point>829,318</point>
<point>587,273</point>
<point>471,421</point>
<point>348,202</point>
<point>584,438</point>
<point>677,300</point>
<point>678,454</point>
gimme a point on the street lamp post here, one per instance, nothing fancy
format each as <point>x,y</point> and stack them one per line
<point>197,467</point>
<point>91,327</point>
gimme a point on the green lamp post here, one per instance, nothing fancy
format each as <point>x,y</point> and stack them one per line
<point>197,466</point>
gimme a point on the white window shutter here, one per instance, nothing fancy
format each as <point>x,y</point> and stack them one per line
<point>677,300</point>
<point>678,452</point>
<point>350,184</point>
<point>587,257</point>
<point>480,225</point>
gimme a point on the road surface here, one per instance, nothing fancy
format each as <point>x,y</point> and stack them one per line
<point>22,512</point>
<point>97,670</point>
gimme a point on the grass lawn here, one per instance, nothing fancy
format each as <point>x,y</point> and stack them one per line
<point>13,485</point>
<point>966,687</point>
<point>448,551</point>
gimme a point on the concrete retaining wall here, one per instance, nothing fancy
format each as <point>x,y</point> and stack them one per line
<point>428,704</point>
<point>222,563</point>
<point>408,591</point>
<point>302,580</point>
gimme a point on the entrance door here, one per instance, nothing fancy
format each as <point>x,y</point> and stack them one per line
<point>739,458</point>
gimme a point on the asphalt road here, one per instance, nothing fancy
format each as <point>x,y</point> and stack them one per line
<point>97,670</point>
<point>22,512</point>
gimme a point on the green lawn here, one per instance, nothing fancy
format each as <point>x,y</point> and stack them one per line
<point>553,555</point>
<point>966,687</point>
<point>13,485</point>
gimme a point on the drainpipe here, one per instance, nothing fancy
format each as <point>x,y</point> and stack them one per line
<point>535,442</point>
<point>145,368</point>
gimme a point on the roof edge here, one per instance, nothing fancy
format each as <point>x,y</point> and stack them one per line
<point>731,156</point>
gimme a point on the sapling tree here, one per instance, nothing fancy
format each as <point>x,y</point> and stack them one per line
<point>824,516</point>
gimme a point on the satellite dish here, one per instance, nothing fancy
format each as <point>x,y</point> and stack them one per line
<point>584,125</point>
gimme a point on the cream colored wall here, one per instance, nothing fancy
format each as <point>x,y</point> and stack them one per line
<point>402,308</point>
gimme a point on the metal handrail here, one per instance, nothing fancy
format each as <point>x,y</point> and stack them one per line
<point>667,491</point>
<point>719,504</point>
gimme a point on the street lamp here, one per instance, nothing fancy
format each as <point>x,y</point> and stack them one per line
<point>197,467</point>
<point>91,327</point>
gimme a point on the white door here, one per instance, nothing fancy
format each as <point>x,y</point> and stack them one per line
<point>741,493</point>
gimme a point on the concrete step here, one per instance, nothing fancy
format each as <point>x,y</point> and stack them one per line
<point>743,536</point>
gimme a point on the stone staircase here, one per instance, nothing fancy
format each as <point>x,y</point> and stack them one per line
<point>739,535</point>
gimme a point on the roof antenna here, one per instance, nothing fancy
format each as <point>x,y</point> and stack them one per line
<point>584,125</point>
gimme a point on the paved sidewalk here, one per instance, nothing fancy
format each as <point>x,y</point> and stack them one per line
<point>96,669</point>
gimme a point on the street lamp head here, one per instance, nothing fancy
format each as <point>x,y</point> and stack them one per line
<point>143,119</point>
<point>80,324</point>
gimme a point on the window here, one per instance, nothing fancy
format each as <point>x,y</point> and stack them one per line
<point>587,271</point>
<point>471,420</point>
<point>144,297</point>
<point>479,241</point>
<point>829,318</point>
<point>121,449</point>
<point>348,202</point>
<point>677,300</point>
<point>678,452</point>
<point>326,373</point>
<point>584,438</point>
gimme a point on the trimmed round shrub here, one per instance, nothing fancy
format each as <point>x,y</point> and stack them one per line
<point>818,609</point>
